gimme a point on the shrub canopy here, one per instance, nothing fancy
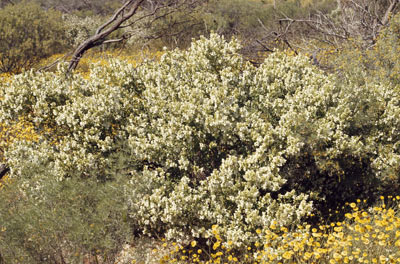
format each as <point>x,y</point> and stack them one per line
<point>207,138</point>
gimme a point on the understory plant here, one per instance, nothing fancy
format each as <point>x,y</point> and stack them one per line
<point>44,220</point>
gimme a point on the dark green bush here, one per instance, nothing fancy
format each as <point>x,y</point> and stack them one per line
<point>43,220</point>
<point>28,34</point>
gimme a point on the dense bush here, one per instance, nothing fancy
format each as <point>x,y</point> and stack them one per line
<point>117,104</point>
<point>207,138</point>
<point>28,34</point>
<point>44,220</point>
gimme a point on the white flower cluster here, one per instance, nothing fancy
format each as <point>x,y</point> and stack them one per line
<point>210,139</point>
<point>211,126</point>
<point>78,120</point>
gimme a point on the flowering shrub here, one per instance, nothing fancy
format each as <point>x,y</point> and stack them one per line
<point>80,114</point>
<point>207,138</point>
<point>208,127</point>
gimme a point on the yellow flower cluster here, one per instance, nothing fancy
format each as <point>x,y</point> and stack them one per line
<point>364,236</point>
<point>5,77</point>
<point>98,58</point>
<point>4,181</point>
<point>218,252</point>
<point>102,59</point>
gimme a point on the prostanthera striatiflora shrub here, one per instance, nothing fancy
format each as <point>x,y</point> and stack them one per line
<point>210,139</point>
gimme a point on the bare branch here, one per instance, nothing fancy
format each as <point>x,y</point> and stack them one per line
<point>265,47</point>
<point>114,17</point>
<point>389,10</point>
<point>102,32</point>
<point>357,19</point>
<point>122,19</point>
<point>54,63</point>
<point>114,40</point>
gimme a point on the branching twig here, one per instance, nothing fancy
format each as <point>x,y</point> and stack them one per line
<point>54,63</point>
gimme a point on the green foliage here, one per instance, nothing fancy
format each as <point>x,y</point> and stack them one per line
<point>28,34</point>
<point>44,220</point>
<point>386,53</point>
<point>237,17</point>
<point>81,8</point>
<point>84,8</point>
<point>377,112</point>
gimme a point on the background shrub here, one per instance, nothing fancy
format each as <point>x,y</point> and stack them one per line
<point>28,34</point>
<point>385,54</point>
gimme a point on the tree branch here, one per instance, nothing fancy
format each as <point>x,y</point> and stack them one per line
<point>390,9</point>
<point>3,170</point>
<point>122,19</point>
<point>114,17</point>
<point>104,31</point>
